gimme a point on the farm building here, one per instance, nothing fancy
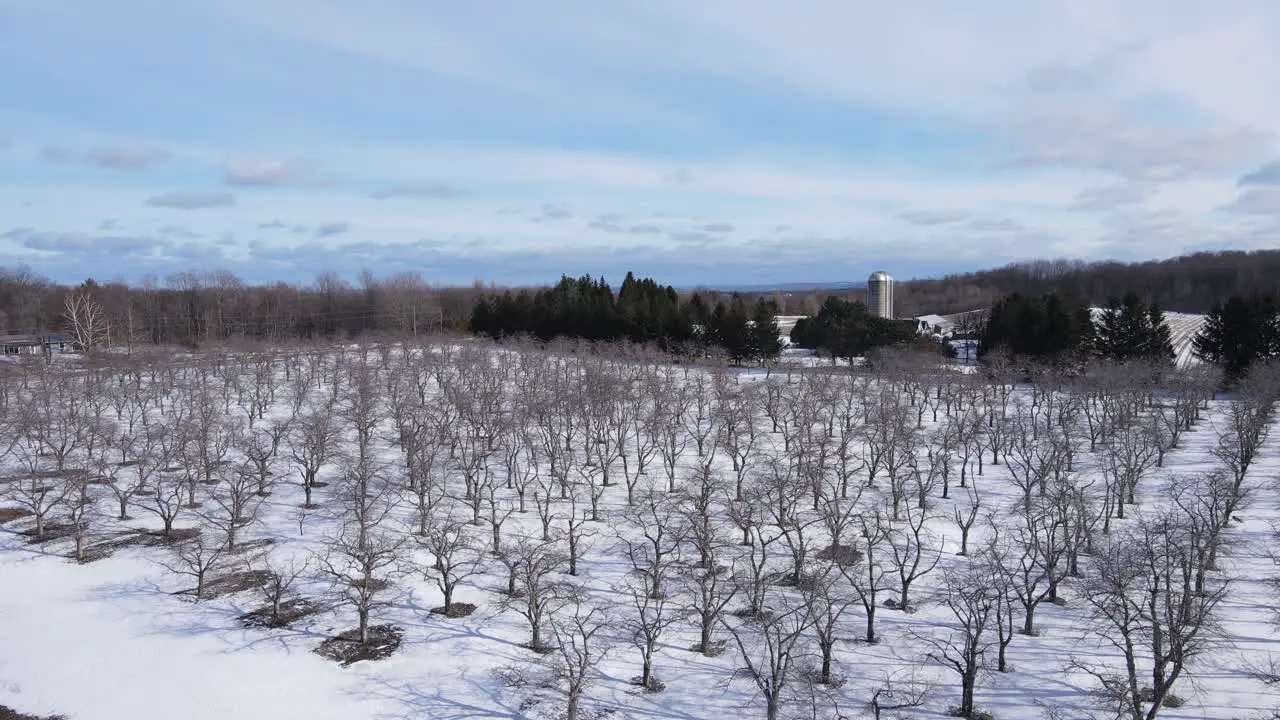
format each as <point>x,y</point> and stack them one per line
<point>36,344</point>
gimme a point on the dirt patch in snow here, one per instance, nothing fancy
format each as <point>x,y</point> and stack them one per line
<point>235,582</point>
<point>51,532</point>
<point>457,610</point>
<point>347,649</point>
<point>9,514</point>
<point>291,611</point>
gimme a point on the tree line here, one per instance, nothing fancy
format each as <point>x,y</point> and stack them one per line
<point>1237,334</point>
<point>202,309</point>
<point>642,312</point>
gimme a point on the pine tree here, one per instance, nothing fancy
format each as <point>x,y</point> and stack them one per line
<point>764,331</point>
<point>1238,333</point>
<point>1160,346</point>
<point>1127,329</point>
<point>1045,326</point>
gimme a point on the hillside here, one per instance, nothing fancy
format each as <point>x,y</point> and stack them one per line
<point>1188,284</point>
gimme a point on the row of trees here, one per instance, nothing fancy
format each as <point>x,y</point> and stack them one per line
<point>769,515</point>
<point>641,312</point>
<point>1236,335</point>
<point>1052,326</point>
<point>200,309</point>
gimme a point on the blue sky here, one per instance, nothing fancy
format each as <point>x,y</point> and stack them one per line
<point>713,142</point>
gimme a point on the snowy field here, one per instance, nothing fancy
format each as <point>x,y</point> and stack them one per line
<point>450,439</point>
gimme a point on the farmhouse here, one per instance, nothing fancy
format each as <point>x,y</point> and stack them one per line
<point>35,344</point>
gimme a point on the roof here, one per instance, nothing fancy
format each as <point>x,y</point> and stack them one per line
<point>19,340</point>
<point>933,320</point>
<point>28,339</point>
<point>879,276</point>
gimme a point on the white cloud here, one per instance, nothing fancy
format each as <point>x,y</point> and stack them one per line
<point>1085,128</point>
<point>112,157</point>
<point>183,200</point>
<point>265,172</point>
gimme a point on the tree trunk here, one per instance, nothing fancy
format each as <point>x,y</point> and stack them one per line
<point>571,710</point>
<point>966,694</point>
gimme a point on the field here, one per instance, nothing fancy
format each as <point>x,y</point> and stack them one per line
<point>589,516</point>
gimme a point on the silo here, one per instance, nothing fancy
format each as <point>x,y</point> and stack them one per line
<point>880,294</point>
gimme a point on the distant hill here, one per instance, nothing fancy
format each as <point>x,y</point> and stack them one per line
<point>1187,284</point>
<point>797,287</point>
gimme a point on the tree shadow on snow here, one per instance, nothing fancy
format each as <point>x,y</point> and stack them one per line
<point>414,702</point>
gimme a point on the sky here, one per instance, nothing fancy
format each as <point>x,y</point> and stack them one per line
<point>703,142</point>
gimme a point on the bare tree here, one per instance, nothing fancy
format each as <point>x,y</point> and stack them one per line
<point>87,320</point>
<point>275,578</point>
<point>698,507</point>
<point>196,558</point>
<point>424,463</point>
<point>652,537</point>
<point>148,459</point>
<point>1128,454</point>
<point>645,623</point>
<point>770,645</point>
<point>362,571</point>
<point>164,499</point>
<point>578,516</point>
<point>828,599</point>
<point>456,557</point>
<point>1036,553</point>
<point>780,489</point>
<point>312,443</point>
<point>82,510</point>
<point>1145,605</point>
<point>581,643</point>
<point>966,514</point>
<point>969,597</point>
<point>1245,430</point>
<point>40,494</point>
<point>235,503</point>
<point>708,591</point>
<point>869,578</point>
<point>895,693</point>
<point>536,592</point>
<point>913,553</point>
<point>261,447</point>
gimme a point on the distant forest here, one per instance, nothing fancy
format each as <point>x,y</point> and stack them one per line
<point>1190,284</point>
<point>194,308</point>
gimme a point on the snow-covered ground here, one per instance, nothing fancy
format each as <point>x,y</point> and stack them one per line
<point>109,640</point>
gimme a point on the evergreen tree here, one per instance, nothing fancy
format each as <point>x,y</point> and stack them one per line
<point>1127,329</point>
<point>1161,340</point>
<point>848,330</point>
<point>729,329</point>
<point>764,331</point>
<point>1238,333</point>
<point>1043,327</point>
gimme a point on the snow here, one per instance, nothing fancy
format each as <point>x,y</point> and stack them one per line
<point>108,640</point>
